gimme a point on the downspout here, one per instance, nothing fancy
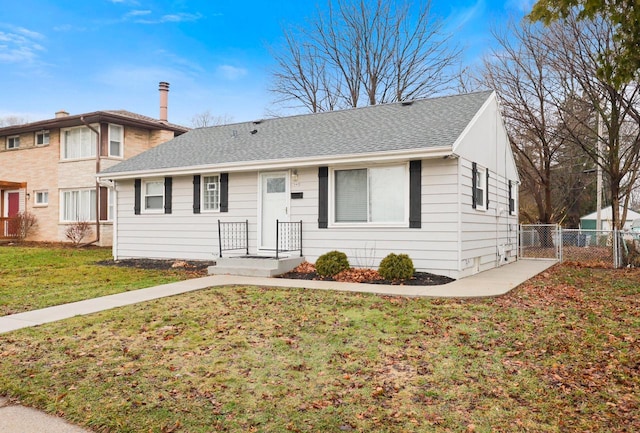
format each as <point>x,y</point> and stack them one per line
<point>498,209</point>
<point>98,143</point>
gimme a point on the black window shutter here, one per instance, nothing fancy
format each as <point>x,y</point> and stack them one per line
<point>511,201</point>
<point>474,186</point>
<point>224,192</point>
<point>137,188</point>
<point>168,189</point>
<point>486,187</point>
<point>415,194</point>
<point>323,197</point>
<point>196,193</point>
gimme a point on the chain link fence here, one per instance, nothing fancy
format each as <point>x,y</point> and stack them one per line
<point>610,248</point>
<point>539,241</point>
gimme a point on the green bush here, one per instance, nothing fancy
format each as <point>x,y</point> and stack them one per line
<point>331,263</point>
<point>396,267</point>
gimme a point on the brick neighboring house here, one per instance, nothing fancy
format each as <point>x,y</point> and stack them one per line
<point>48,168</point>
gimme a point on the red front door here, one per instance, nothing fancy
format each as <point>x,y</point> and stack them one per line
<point>13,202</point>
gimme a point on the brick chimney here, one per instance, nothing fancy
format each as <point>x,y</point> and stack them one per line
<point>164,100</point>
<point>61,113</point>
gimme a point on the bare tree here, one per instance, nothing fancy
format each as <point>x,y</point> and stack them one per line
<point>364,53</point>
<point>584,51</point>
<point>564,116</point>
<point>12,120</point>
<point>205,118</point>
<point>302,76</point>
<point>520,72</point>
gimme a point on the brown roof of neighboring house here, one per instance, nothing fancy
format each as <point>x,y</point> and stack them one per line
<point>122,117</point>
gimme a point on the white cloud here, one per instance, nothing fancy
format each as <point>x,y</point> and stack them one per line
<point>460,17</point>
<point>231,72</point>
<point>137,13</point>
<point>171,18</point>
<point>182,63</point>
<point>29,33</point>
<point>20,45</point>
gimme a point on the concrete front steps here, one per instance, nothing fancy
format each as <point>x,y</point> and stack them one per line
<point>254,266</point>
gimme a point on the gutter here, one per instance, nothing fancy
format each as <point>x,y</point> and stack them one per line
<point>243,166</point>
<point>98,143</point>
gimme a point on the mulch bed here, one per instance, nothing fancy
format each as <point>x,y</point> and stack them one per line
<point>198,268</point>
<point>306,271</point>
<point>419,279</point>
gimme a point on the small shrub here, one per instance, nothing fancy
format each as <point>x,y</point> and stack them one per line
<point>331,263</point>
<point>22,224</point>
<point>77,231</point>
<point>396,267</point>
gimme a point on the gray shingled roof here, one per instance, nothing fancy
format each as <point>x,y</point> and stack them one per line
<point>421,124</point>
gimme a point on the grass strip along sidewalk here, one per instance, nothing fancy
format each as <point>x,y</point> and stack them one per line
<point>35,277</point>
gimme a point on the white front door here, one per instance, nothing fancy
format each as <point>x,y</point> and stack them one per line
<point>274,205</point>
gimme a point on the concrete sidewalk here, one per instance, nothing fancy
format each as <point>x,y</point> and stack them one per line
<point>18,419</point>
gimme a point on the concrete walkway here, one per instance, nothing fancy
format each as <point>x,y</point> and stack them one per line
<point>494,282</point>
<point>18,419</point>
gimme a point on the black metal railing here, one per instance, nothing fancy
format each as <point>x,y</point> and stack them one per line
<point>288,237</point>
<point>233,236</point>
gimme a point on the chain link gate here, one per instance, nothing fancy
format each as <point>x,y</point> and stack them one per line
<point>550,241</point>
<point>539,241</point>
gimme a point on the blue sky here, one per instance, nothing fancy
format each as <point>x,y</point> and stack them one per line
<point>84,56</point>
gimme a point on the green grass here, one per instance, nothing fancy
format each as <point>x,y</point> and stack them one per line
<point>38,277</point>
<point>552,356</point>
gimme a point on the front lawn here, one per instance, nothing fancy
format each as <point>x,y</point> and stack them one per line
<point>559,354</point>
<point>35,277</point>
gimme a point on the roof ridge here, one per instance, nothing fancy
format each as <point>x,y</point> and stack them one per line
<point>352,109</point>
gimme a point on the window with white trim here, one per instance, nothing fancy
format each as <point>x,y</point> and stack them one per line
<point>78,205</point>
<point>211,193</point>
<point>41,198</point>
<point>116,139</point>
<point>78,143</point>
<point>42,138</point>
<point>153,195</point>
<point>370,195</point>
<point>479,187</point>
<point>13,142</point>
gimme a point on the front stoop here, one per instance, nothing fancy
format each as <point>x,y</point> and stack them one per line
<point>254,266</point>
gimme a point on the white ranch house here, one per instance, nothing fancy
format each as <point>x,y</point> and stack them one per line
<point>432,178</point>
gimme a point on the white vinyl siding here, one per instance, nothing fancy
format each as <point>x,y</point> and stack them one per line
<point>371,195</point>
<point>486,237</point>
<point>78,205</point>
<point>116,133</point>
<point>153,191</point>
<point>211,193</point>
<point>183,233</point>
<point>78,143</point>
<point>186,235</point>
